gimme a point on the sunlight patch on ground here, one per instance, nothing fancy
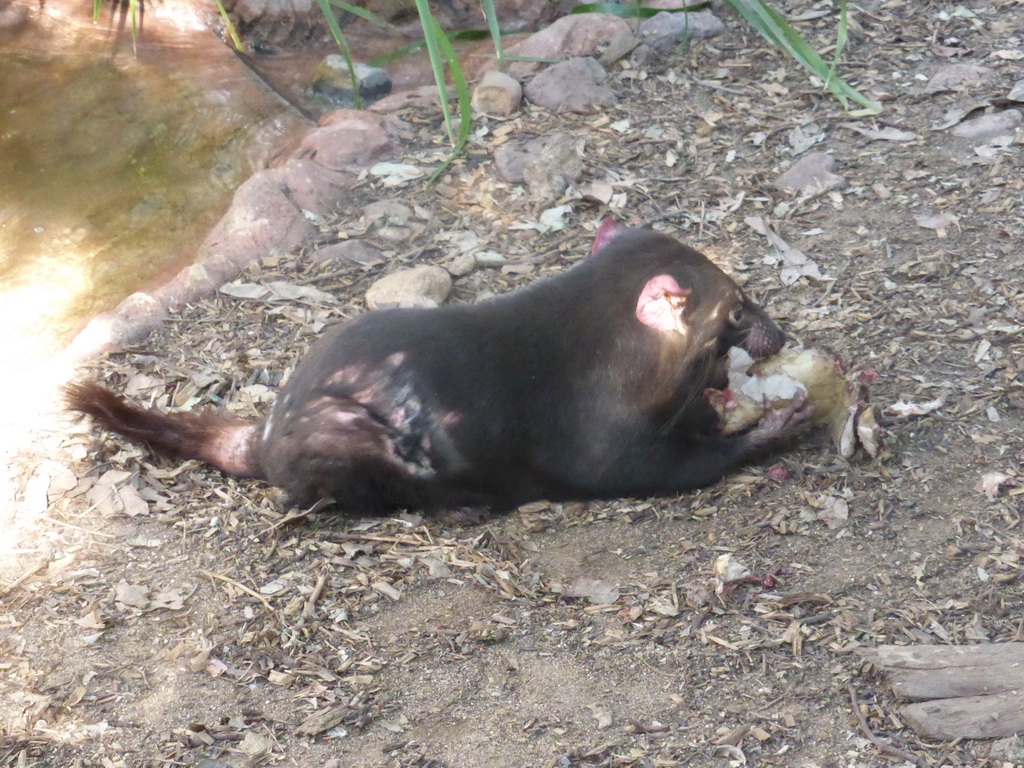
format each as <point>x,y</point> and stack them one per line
<point>31,422</point>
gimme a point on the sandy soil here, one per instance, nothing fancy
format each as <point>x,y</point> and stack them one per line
<point>159,614</point>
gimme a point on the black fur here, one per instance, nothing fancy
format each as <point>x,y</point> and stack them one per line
<point>558,391</point>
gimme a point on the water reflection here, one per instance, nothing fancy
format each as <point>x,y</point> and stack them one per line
<point>113,166</point>
<point>112,169</point>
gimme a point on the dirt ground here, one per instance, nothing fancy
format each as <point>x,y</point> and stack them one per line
<point>159,614</point>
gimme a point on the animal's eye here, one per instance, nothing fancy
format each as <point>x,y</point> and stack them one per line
<point>736,316</point>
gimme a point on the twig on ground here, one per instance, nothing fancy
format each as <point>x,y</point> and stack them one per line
<point>884,747</point>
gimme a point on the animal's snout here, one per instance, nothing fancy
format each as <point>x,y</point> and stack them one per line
<point>764,338</point>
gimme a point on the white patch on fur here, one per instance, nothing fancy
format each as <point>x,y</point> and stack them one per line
<point>268,426</point>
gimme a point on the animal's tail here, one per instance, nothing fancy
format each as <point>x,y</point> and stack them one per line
<point>226,442</point>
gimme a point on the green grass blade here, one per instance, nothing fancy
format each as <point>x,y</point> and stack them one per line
<point>362,13</point>
<point>430,36</point>
<point>462,35</point>
<point>492,24</point>
<point>841,37</point>
<point>405,50</point>
<point>461,87</point>
<point>339,38</point>
<point>776,30</point>
<point>230,26</point>
<point>133,8</point>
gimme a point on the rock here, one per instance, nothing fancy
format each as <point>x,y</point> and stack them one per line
<point>1009,750</point>
<point>262,219</point>
<point>989,126</point>
<point>582,34</point>
<point>515,15</point>
<point>497,94</point>
<point>193,283</point>
<point>278,22</point>
<point>511,159</point>
<point>461,265</point>
<point>392,221</point>
<point>665,31</point>
<point>423,286</point>
<point>333,81</point>
<point>1017,91</point>
<point>355,251</point>
<point>559,163</point>
<point>811,173</point>
<point>312,187</point>
<point>346,139</point>
<point>490,259</point>
<point>954,77</point>
<point>13,16</point>
<point>424,96</point>
<point>576,85</point>
<point>387,212</point>
<point>129,322</point>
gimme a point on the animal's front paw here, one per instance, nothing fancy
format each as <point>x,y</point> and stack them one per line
<point>779,424</point>
<point>464,515</point>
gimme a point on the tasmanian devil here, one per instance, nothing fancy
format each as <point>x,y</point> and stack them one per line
<point>585,385</point>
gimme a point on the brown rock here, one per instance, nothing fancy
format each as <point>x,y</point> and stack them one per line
<point>423,286</point>
<point>312,187</point>
<point>497,94</point>
<point>129,322</point>
<point>583,34</point>
<point>191,284</point>
<point>261,219</point>
<point>347,140</point>
<point>424,96</point>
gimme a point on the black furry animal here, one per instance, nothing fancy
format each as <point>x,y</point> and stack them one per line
<point>586,385</point>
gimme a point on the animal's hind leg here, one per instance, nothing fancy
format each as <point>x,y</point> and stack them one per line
<point>337,449</point>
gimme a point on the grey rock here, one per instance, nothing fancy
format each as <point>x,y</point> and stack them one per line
<point>355,251</point>
<point>811,173</point>
<point>952,77</point>
<point>990,126</point>
<point>578,34</point>
<point>558,163</point>
<point>333,81</point>
<point>387,212</point>
<point>461,265</point>
<point>490,259</point>
<point>665,31</point>
<point>511,160</point>
<point>423,286</point>
<point>576,85</point>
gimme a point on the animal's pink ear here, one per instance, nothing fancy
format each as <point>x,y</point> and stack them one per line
<point>608,231</point>
<point>661,304</point>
